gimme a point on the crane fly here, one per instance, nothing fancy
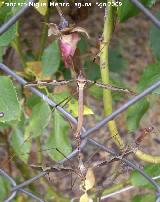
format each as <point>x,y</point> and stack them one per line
<point>63,30</point>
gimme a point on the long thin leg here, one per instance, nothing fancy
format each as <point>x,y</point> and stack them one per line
<point>48,82</point>
<point>110,87</point>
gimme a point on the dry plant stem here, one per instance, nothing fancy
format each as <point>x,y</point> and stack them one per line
<point>107,97</point>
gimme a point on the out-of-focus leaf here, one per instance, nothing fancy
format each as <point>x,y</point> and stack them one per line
<point>139,181</point>
<point>90,179</point>
<point>82,45</point>
<point>9,104</point>
<point>51,59</point>
<point>58,138</point>
<point>92,70</point>
<point>128,9</point>
<point>8,36</point>
<point>39,119</point>
<point>144,197</point>
<point>154,39</point>
<point>135,114</point>
<point>115,80</point>
<point>150,75</point>
<point>19,145</point>
<point>43,6</point>
<point>33,100</point>
<point>33,69</point>
<point>4,184</point>
<point>5,12</point>
<point>1,3</point>
<point>116,62</point>
<point>1,53</point>
<point>72,105</point>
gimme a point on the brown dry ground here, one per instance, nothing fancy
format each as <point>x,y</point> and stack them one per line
<point>133,39</point>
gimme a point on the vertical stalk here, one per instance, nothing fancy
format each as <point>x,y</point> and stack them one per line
<point>104,68</point>
<point>107,97</point>
<point>44,35</point>
<point>16,44</point>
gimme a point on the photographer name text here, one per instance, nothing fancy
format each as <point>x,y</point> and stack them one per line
<point>54,4</point>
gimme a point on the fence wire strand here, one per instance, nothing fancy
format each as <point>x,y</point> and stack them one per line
<point>18,188</point>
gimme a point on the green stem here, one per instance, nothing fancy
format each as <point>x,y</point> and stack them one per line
<point>44,35</point>
<point>104,68</point>
<point>16,44</point>
<point>107,97</point>
<point>39,149</point>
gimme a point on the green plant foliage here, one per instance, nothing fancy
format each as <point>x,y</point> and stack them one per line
<point>154,39</point>
<point>58,138</point>
<point>4,184</point>
<point>150,75</point>
<point>138,180</point>
<point>20,145</point>
<point>1,53</point>
<point>91,70</point>
<point>135,114</point>
<point>115,80</point>
<point>116,61</point>
<point>8,100</point>
<point>38,121</point>
<point>144,198</point>
<point>8,36</point>
<point>72,104</point>
<point>83,45</point>
<point>128,9</point>
<point>51,59</point>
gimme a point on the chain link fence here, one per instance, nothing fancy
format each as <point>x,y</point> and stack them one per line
<point>85,136</point>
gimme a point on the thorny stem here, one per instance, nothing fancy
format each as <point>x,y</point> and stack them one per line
<point>107,97</point>
<point>104,68</point>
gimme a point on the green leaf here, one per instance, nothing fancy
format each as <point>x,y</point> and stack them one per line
<point>150,75</point>
<point>138,180</point>
<point>39,119</point>
<point>9,104</point>
<point>8,36</point>
<point>116,62</point>
<point>4,190</point>
<point>135,114</point>
<point>154,39</point>
<point>128,9</point>
<point>20,145</point>
<point>1,53</point>
<point>83,45</point>
<point>51,59</point>
<point>58,138</point>
<point>72,104</point>
<point>42,9</point>
<point>144,198</point>
<point>92,70</point>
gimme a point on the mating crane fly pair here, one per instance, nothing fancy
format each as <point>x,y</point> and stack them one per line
<point>68,36</point>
